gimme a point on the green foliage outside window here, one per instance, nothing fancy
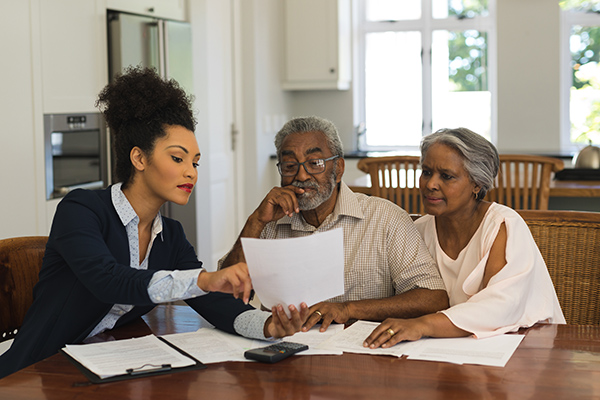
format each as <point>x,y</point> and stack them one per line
<point>467,8</point>
<point>468,49</point>
<point>588,51</point>
<point>581,5</point>
<point>467,62</point>
<point>589,92</point>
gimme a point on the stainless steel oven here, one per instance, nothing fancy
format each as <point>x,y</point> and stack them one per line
<point>76,153</point>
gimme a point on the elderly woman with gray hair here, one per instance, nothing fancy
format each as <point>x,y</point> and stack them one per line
<point>495,276</point>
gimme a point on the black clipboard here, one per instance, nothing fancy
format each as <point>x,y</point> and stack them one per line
<point>159,370</point>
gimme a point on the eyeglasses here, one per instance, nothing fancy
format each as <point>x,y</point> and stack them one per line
<point>313,167</point>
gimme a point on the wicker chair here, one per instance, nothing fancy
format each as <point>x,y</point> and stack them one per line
<point>570,244</point>
<point>395,178</point>
<point>523,181</point>
<point>20,263</point>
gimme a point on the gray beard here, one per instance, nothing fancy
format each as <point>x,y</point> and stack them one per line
<point>310,201</point>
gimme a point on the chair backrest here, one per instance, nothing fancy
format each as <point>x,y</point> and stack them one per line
<point>523,181</point>
<point>570,244</point>
<point>20,263</point>
<point>395,178</point>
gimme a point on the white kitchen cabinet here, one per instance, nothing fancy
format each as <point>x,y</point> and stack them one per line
<point>74,66</point>
<point>169,9</point>
<point>317,44</point>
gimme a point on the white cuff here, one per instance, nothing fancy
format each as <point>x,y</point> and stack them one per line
<point>251,324</point>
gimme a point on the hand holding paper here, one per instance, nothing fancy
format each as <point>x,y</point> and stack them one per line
<point>280,325</point>
<point>290,271</point>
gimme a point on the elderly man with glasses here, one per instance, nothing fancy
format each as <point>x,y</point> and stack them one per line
<point>388,270</point>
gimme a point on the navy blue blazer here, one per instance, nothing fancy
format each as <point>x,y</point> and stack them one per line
<point>86,271</point>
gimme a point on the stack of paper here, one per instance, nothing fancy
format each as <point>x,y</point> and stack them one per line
<point>493,351</point>
<point>134,357</point>
<point>117,357</point>
<point>210,345</point>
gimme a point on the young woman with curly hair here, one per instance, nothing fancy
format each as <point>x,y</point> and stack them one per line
<point>111,256</point>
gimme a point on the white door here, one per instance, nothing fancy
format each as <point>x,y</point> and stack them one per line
<point>217,196</point>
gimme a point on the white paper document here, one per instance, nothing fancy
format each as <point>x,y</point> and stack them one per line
<point>352,338</point>
<point>113,358</point>
<point>493,351</point>
<point>290,271</point>
<point>313,338</point>
<point>210,345</point>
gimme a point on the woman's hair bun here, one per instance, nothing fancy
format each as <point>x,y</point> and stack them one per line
<point>140,95</point>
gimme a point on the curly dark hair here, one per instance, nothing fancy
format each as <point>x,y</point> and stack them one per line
<point>137,106</point>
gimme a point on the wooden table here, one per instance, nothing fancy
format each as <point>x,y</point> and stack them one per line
<point>552,362</point>
<point>557,188</point>
<point>575,189</point>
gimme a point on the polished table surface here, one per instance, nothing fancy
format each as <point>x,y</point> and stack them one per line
<point>552,362</point>
<point>574,188</point>
<point>557,188</point>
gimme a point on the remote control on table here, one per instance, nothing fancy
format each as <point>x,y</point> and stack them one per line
<point>275,352</point>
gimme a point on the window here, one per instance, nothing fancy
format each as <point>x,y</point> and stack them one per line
<point>581,73</point>
<point>423,65</point>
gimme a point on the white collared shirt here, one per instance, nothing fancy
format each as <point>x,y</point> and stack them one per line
<point>165,285</point>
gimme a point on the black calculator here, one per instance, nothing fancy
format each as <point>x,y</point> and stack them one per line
<point>275,352</point>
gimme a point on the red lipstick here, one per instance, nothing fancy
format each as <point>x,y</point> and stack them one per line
<point>186,187</point>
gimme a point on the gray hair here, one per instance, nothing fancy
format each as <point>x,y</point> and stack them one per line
<point>311,124</point>
<point>479,155</point>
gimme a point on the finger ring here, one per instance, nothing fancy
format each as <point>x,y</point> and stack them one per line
<point>391,332</point>
<point>318,313</point>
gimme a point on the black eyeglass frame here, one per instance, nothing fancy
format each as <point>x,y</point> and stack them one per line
<point>304,165</point>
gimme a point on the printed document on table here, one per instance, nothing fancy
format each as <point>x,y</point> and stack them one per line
<point>352,338</point>
<point>290,271</point>
<point>113,358</point>
<point>493,351</point>
<point>210,345</point>
<point>313,338</point>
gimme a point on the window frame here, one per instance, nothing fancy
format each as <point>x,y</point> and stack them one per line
<point>426,26</point>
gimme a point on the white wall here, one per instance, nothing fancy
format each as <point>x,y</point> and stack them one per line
<point>19,166</point>
<point>265,106</point>
<point>198,15</point>
<point>528,76</point>
<point>333,105</point>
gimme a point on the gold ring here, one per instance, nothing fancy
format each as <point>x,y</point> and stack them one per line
<point>391,332</point>
<point>318,313</point>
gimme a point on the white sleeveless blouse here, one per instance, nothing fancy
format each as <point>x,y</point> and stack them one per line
<point>519,295</point>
